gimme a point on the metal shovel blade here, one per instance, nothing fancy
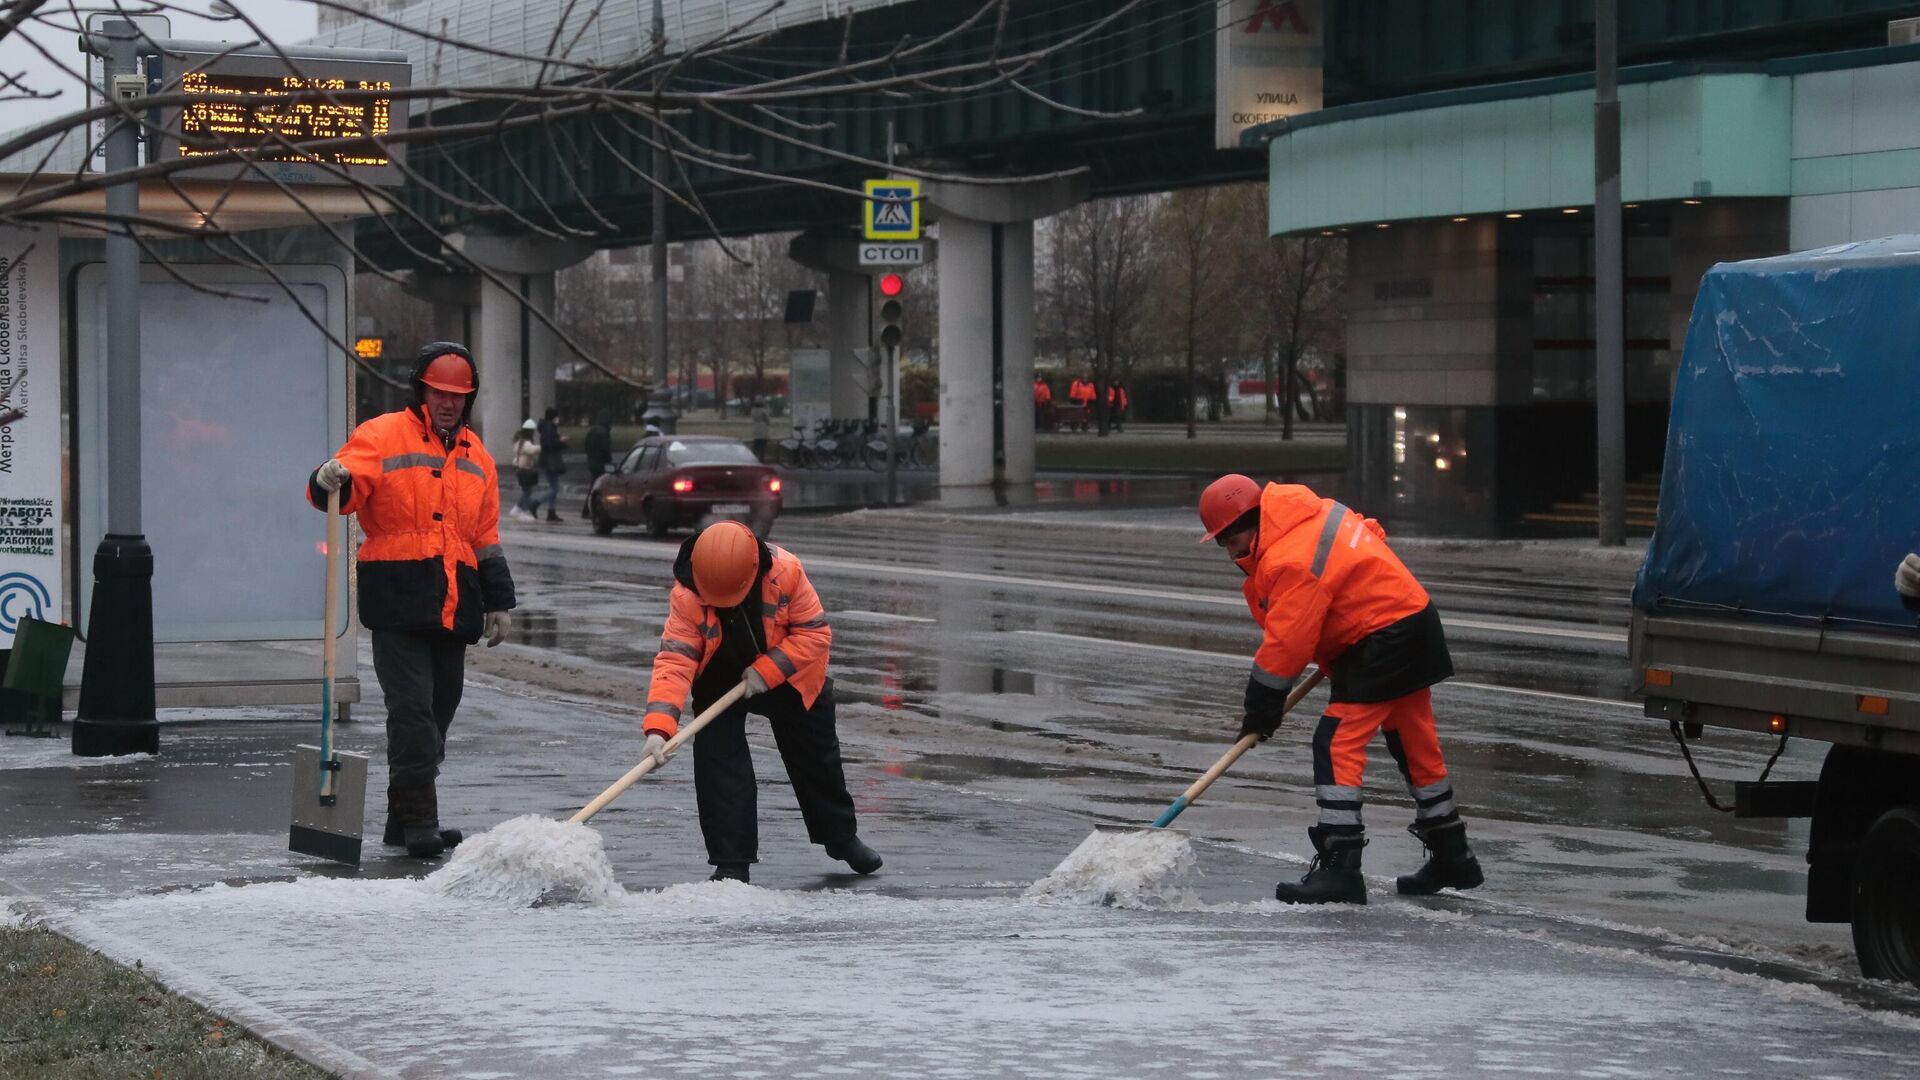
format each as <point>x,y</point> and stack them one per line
<point>328,831</point>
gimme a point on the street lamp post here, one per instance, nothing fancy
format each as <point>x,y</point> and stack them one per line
<point>1609,332</point>
<point>116,684</point>
<point>668,417</point>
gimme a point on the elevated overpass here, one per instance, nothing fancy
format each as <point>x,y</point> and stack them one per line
<point>1125,105</point>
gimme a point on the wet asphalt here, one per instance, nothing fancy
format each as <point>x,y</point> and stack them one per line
<point>1007,679</point>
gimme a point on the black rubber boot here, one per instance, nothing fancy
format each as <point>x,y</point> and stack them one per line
<point>1450,863</point>
<point>729,871</point>
<point>394,837</point>
<point>1334,877</point>
<point>417,810</point>
<point>856,854</point>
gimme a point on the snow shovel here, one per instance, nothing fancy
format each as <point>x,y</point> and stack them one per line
<point>329,788</point>
<point>1106,843</point>
<point>646,764</point>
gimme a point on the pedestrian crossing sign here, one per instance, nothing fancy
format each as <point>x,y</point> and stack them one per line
<point>892,210</point>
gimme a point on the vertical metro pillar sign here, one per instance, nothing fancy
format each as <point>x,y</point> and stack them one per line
<point>892,210</point>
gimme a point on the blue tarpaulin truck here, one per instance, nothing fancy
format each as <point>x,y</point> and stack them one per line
<point>1766,603</point>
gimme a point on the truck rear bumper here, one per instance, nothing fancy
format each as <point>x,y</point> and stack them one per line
<point>1841,733</point>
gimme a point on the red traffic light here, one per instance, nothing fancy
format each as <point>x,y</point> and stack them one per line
<point>892,284</point>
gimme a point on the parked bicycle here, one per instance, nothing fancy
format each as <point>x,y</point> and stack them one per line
<point>913,447</point>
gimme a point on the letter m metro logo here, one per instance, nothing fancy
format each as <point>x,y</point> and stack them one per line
<point>1277,16</point>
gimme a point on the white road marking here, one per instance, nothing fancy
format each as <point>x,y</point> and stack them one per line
<point>1134,592</point>
<point>1238,660</point>
<point>884,616</point>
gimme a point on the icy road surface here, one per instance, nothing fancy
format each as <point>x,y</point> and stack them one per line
<point>1001,690</point>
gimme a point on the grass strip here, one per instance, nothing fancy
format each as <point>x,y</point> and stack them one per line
<point>68,1013</point>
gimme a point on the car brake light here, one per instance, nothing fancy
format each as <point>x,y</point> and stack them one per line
<point>683,484</point>
<point>773,484</point>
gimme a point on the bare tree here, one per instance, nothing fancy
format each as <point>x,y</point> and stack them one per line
<point>601,308</point>
<point>1098,276</point>
<point>1287,300</point>
<point>1193,233</point>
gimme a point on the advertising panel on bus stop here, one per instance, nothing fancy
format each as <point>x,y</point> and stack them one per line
<point>30,518</point>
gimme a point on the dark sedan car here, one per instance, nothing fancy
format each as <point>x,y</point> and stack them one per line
<point>669,481</point>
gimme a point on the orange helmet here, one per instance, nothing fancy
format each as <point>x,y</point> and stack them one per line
<point>450,371</point>
<point>1224,501</point>
<point>726,559</point>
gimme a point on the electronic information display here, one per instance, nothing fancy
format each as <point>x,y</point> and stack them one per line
<point>249,100</point>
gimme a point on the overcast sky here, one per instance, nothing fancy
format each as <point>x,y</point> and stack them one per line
<point>285,21</point>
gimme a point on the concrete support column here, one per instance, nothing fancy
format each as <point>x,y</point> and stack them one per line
<point>515,351</point>
<point>986,325</point>
<point>966,354</point>
<point>543,346</point>
<point>1016,350</point>
<point>849,327</point>
<point>497,352</point>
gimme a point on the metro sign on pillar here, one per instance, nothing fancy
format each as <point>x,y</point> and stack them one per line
<point>1268,64</point>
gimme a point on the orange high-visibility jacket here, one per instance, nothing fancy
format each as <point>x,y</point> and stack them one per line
<point>1326,588</point>
<point>1082,392</point>
<point>797,634</point>
<point>431,559</point>
<point>1116,397</point>
<point>1042,393</point>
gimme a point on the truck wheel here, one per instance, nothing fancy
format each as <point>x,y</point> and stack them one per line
<point>1886,898</point>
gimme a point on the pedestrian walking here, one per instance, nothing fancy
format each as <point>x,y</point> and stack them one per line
<point>553,463</point>
<point>1324,587</point>
<point>599,455</point>
<point>433,577</point>
<point>743,609</point>
<point>526,470</point>
<point>1117,404</point>
<point>762,428</point>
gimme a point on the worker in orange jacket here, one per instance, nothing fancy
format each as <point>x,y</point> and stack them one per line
<point>1042,402</point>
<point>1116,404</point>
<point>432,575</point>
<point>1325,588</point>
<point>743,610</point>
<point>1082,392</point>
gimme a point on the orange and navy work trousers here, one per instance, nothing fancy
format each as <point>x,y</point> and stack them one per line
<point>1340,761</point>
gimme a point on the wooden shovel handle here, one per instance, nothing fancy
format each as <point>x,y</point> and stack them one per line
<point>646,764</point>
<point>1247,742</point>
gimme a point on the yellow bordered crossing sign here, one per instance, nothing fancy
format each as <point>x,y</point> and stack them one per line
<point>892,210</point>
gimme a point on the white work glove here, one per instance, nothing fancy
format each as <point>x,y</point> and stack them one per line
<point>1906,576</point>
<point>756,685</point>
<point>332,475</point>
<point>656,749</point>
<point>499,625</point>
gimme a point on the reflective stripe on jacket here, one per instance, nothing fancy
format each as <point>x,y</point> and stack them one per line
<point>1325,587</point>
<point>431,558</point>
<point>798,638</point>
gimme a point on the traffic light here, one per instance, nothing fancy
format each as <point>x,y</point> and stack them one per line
<point>892,311</point>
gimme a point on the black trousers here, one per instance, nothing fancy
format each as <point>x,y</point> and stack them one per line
<point>723,773</point>
<point>422,676</point>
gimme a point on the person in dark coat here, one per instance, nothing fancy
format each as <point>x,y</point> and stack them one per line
<point>553,463</point>
<point>599,456</point>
